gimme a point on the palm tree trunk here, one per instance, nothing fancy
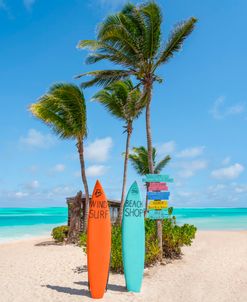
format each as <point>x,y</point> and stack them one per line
<point>84,181</point>
<point>120,214</point>
<point>149,137</point>
<point>148,92</point>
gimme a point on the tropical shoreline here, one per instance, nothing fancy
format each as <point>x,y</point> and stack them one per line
<point>212,269</point>
<point>25,223</point>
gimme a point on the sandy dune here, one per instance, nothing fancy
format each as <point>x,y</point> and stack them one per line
<point>213,269</point>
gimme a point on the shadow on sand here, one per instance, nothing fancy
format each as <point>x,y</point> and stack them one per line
<point>69,290</point>
<point>83,291</point>
<point>113,287</point>
<point>48,243</point>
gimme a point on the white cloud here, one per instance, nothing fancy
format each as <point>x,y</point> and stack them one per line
<point>58,168</point>
<point>21,194</point>
<point>240,188</point>
<point>191,152</point>
<point>216,188</point>
<point>62,190</point>
<point>36,139</point>
<point>99,149</point>
<point>226,160</point>
<point>186,193</point>
<point>219,111</point>
<point>28,4</point>
<point>166,148</point>
<point>32,185</point>
<point>189,169</point>
<point>96,170</point>
<point>230,172</point>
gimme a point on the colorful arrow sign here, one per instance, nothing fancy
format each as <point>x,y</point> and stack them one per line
<point>158,195</point>
<point>157,178</point>
<point>154,214</point>
<point>157,186</point>
<point>157,204</point>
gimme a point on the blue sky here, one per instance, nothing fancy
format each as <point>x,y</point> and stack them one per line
<point>198,114</point>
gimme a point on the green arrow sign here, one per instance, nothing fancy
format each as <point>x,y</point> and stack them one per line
<point>157,178</point>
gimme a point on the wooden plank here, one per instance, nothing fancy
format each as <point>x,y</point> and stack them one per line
<point>157,215</point>
<point>157,178</point>
<point>158,195</point>
<point>157,204</point>
<point>157,186</point>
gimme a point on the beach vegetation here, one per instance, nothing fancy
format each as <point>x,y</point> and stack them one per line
<point>132,39</point>
<point>139,161</point>
<point>63,108</point>
<point>124,102</point>
<point>60,233</point>
<point>174,238</point>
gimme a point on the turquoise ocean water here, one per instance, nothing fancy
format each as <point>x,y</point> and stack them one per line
<point>18,223</point>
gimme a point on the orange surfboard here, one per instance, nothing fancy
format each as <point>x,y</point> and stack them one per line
<point>98,242</point>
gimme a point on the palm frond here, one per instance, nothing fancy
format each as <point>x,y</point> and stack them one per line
<point>63,109</point>
<point>175,42</point>
<point>89,44</point>
<point>152,17</point>
<point>104,77</point>
<point>161,164</point>
<point>121,99</point>
<point>139,160</point>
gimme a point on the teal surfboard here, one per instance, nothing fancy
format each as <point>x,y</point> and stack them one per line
<point>133,239</point>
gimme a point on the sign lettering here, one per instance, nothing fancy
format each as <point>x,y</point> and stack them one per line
<point>158,195</point>
<point>133,208</point>
<point>157,178</point>
<point>157,204</point>
<point>98,209</point>
<point>154,214</point>
<point>157,186</point>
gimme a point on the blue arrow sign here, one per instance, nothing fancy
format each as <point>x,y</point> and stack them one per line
<point>158,195</point>
<point>157,214</point>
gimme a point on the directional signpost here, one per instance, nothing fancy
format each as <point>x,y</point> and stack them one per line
<point>157,204</point>
<point>154,214</point>
<point>157,195</point>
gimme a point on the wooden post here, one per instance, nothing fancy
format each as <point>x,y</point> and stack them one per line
<point>75,218</point>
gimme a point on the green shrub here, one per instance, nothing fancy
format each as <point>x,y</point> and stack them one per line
<point>116,249</point>
<point>174,237</point>
<point>151,243</point>
<point>83,241</point>
<point>60,233</point>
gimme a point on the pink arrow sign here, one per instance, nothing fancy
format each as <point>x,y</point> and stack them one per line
<point>157,186</point>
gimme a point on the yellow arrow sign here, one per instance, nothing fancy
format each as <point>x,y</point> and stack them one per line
<point>157,204</point>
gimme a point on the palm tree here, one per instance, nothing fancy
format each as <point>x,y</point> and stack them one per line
<point>125,103</point>
<point>63,108</point>
<point>132,39</point>
<point>139,160</point>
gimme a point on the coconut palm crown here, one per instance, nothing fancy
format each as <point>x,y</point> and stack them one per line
<point>122,100</point>
<point>63,109</point>
<point>132,38</point>
<point>139,161</point>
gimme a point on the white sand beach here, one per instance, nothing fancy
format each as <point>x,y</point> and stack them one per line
<point>213,269</point>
